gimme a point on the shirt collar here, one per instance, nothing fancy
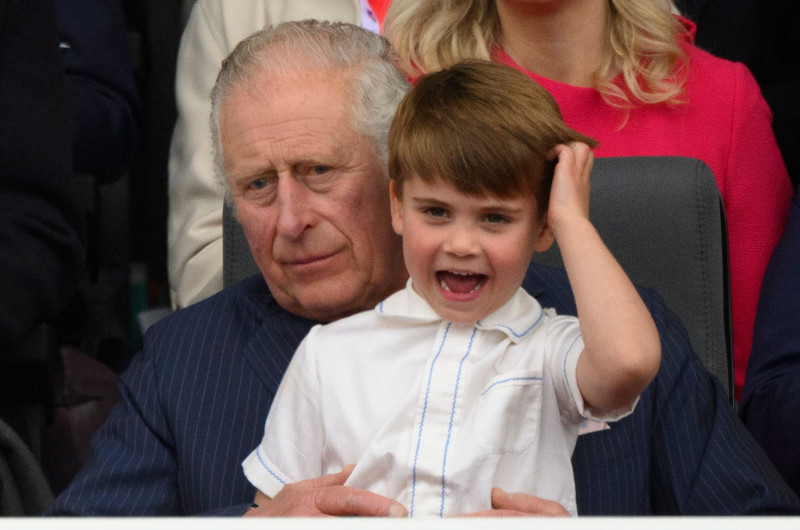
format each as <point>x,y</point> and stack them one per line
<point>517,318</point>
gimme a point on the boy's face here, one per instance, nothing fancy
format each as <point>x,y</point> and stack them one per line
<point>467,255</point>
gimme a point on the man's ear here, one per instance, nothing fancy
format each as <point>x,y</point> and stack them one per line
<point>397,208</point>
<point>545,239</point>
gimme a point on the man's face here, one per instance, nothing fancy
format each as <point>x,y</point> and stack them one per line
<point>467,255</point>
<point>311,195</point>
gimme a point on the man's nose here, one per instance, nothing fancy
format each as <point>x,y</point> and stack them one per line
<point>294,215</point>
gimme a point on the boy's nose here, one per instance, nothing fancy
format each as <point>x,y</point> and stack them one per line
<point>462,242</point>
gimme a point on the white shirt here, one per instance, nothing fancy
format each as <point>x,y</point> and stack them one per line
<point>434,414</point>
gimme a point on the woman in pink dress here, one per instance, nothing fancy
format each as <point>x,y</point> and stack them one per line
<point>627,73</point>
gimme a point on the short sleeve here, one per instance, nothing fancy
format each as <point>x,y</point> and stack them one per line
<point>564,348</point>
<point>293,440</point>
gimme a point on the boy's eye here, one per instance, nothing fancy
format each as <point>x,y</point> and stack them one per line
<point>496,218</point>
<point>436,211</point>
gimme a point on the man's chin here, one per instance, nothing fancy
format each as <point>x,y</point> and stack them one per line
<point>324,303</point>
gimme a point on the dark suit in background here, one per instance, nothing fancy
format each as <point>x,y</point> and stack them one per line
<point>41,254</point>
<point>762,34</point>
<point>771,397</point>
<point>102,97</point>
<point>195,400</point>
<point>41,223</point>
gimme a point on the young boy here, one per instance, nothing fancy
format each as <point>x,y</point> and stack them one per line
<point>462,382</point>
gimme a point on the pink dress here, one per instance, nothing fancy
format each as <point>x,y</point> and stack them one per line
<point>727,124</point>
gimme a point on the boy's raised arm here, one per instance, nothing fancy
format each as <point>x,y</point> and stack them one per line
<point>622,347</point>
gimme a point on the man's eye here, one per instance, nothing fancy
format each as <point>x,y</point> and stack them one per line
<point>320,170</point>
<point>258,184</point>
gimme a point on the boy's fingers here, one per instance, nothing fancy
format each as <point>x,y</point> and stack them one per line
<point>552,154</point>
<point>584,157</point>
<point>560,149</point>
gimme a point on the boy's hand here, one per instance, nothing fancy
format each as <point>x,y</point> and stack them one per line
<point>569,196</point>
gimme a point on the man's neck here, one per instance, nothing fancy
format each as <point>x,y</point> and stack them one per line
<point>563,40</point>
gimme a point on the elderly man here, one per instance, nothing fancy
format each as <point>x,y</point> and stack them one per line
<point>195,201</point>
<point>301,114</point>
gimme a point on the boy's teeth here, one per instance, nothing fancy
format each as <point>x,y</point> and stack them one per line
<point>446,279</point>
<point>443,284</point>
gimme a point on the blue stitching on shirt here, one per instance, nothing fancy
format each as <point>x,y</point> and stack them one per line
<point>452,414</point>
<point>509,379</point>
<point>269,470</point>
<point>422,421</point>
<point>519,335</point>
<point>569,350</point>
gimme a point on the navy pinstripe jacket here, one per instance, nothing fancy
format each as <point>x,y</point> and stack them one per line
<point>195,400</point>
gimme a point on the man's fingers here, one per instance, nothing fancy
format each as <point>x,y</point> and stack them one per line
<point>499,513</point>
<point>342,500</point>
<point>519,502</point>
<point>328,496</point>
<point>334,479</point>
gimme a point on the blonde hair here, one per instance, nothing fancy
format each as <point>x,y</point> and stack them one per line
<point>643,44</point>
<point>482,127</point>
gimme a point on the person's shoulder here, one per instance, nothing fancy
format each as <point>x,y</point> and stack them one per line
<point>216,332</point>
<point>708,64</point>
<point>718,79</point>
<point>246,304</point>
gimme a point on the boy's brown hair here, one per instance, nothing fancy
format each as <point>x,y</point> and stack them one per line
<point>482,127</point>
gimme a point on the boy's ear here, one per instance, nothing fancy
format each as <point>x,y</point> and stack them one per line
<point>545,239</point>
<point>397,209</point>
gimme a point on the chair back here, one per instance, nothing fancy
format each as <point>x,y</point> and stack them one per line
<point>663,220</point>
<point>237,260</point>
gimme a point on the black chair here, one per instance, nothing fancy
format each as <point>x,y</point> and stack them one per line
<point>662,218</point>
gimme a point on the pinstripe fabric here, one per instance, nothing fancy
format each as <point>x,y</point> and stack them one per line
<point>194,403</point>
<point>771,395</point>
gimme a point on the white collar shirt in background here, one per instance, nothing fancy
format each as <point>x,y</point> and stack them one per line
<point>434,414</point>
<point>368,19</point>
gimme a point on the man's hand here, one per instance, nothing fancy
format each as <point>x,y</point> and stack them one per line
<point>325,496</point>
<point>520,505</point>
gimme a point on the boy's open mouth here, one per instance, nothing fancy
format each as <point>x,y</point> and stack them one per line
<point>461,283</point>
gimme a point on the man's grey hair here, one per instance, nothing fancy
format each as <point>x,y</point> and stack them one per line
<point>317,46</point>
